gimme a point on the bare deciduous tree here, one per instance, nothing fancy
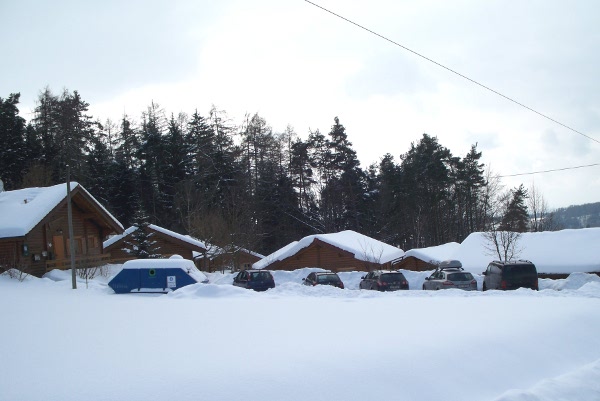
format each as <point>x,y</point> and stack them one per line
<point>541,218</point>
<point>501,243</point>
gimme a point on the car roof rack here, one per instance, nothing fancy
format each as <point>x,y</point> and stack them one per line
<point>450,264</point>
<point>451,268</point>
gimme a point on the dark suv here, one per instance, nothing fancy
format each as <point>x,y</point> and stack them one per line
<point>257,280</point>
<point>383,281</point>
<point>510,275</point>
<point>327,278</point>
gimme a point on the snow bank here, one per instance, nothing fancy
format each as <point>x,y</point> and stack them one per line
<point>553,252</point>
<point>581,384</point>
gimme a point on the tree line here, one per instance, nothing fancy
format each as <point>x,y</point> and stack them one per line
<point>199,174</point>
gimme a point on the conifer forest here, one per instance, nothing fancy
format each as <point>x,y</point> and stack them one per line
<point>199,174</point>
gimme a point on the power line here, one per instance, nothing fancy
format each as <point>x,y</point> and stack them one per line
<point>549,171</point>
<point>453,71</point>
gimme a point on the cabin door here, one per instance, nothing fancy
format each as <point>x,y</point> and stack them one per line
<point>59,247</point>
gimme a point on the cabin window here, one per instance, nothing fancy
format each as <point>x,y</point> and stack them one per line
<point>93,242</point>
<point>78,244</point>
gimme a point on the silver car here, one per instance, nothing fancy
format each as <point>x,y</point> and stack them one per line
<point>450,274</point>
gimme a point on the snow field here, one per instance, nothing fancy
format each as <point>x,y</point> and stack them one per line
<point>219,342</point>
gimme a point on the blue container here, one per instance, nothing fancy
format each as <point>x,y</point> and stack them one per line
<point>155,275</point>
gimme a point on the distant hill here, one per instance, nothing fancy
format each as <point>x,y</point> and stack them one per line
<point>578,216</point>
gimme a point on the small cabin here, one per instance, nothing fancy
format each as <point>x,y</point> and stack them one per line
<point>167,243</point>
<point>230,257</point>
<point>342,251</point>
<point>34,229</point>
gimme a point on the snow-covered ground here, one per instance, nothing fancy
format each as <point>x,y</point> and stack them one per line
<point>219,342</point>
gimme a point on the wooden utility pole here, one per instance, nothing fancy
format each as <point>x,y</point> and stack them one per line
<point>70,222</point>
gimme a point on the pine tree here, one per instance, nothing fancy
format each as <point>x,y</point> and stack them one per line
<point>12,137</point>
<point>516,218</point>
<point>426,182</point>
<point>470,187</point>
<point>202,147</point>
<point>124,186</point>
<point>65,131</point>
<point>151,154</point>
<point>141,244</point>
<point>98,166</point>
<point>74,133</point>
<point>301,175</point>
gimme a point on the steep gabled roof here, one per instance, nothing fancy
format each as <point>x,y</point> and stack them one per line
<point>21,210</point>
<point>196,244</point>
<point>362,247</point>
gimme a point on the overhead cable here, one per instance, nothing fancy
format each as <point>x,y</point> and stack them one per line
<point>453,71</point>
<point>548,171</point>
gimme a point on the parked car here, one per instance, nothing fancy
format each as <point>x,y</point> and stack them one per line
<point>510,275</point>
<point>450,274</point>
<point>383,281</point>
<point>327,278</point>
<point>257,280</point>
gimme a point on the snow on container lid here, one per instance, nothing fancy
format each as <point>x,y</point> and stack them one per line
<point>159,264</point>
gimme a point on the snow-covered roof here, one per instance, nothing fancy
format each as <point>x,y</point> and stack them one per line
<point>279,254</point>
<point>362,247</point>
<point>434,254</point>
<point>181,237</point>
<point>564,251</point>
<point>214,251</point>
<point>22,209</point>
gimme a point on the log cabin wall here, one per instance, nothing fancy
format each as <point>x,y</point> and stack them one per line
<point>10,254</point>
<point>166,245</point>
<point>49,240</point>
<point>239,260</point>
<point>414,264</point>
<point>326,256</point>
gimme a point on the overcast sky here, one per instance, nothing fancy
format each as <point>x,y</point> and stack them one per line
<point>297,65</point>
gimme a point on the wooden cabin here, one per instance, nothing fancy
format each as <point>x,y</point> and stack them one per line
<point>343,251</point>
<point>168,243</point>
<point>231,257</point>
<point>425,259</point>
<point>34,231</point>
<point>413,263</point>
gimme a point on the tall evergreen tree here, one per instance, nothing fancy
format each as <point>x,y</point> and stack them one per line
<point>141,245</point>
<point>470,186</point>
<point>341,199</point>
<point>45,127</point>
<point>516,218</point>
<point>74,133</point>
<point>301,175</point>
<point>12,136</point>
<point>425,182</point>
<point>99,163</point>
<point>151,153</point>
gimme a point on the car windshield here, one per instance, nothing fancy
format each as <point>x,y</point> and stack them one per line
<point>460,277</point>
<point>392,277</point>
<point>260,276</point>
<point>327,278</point>
<point>519,270</point>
